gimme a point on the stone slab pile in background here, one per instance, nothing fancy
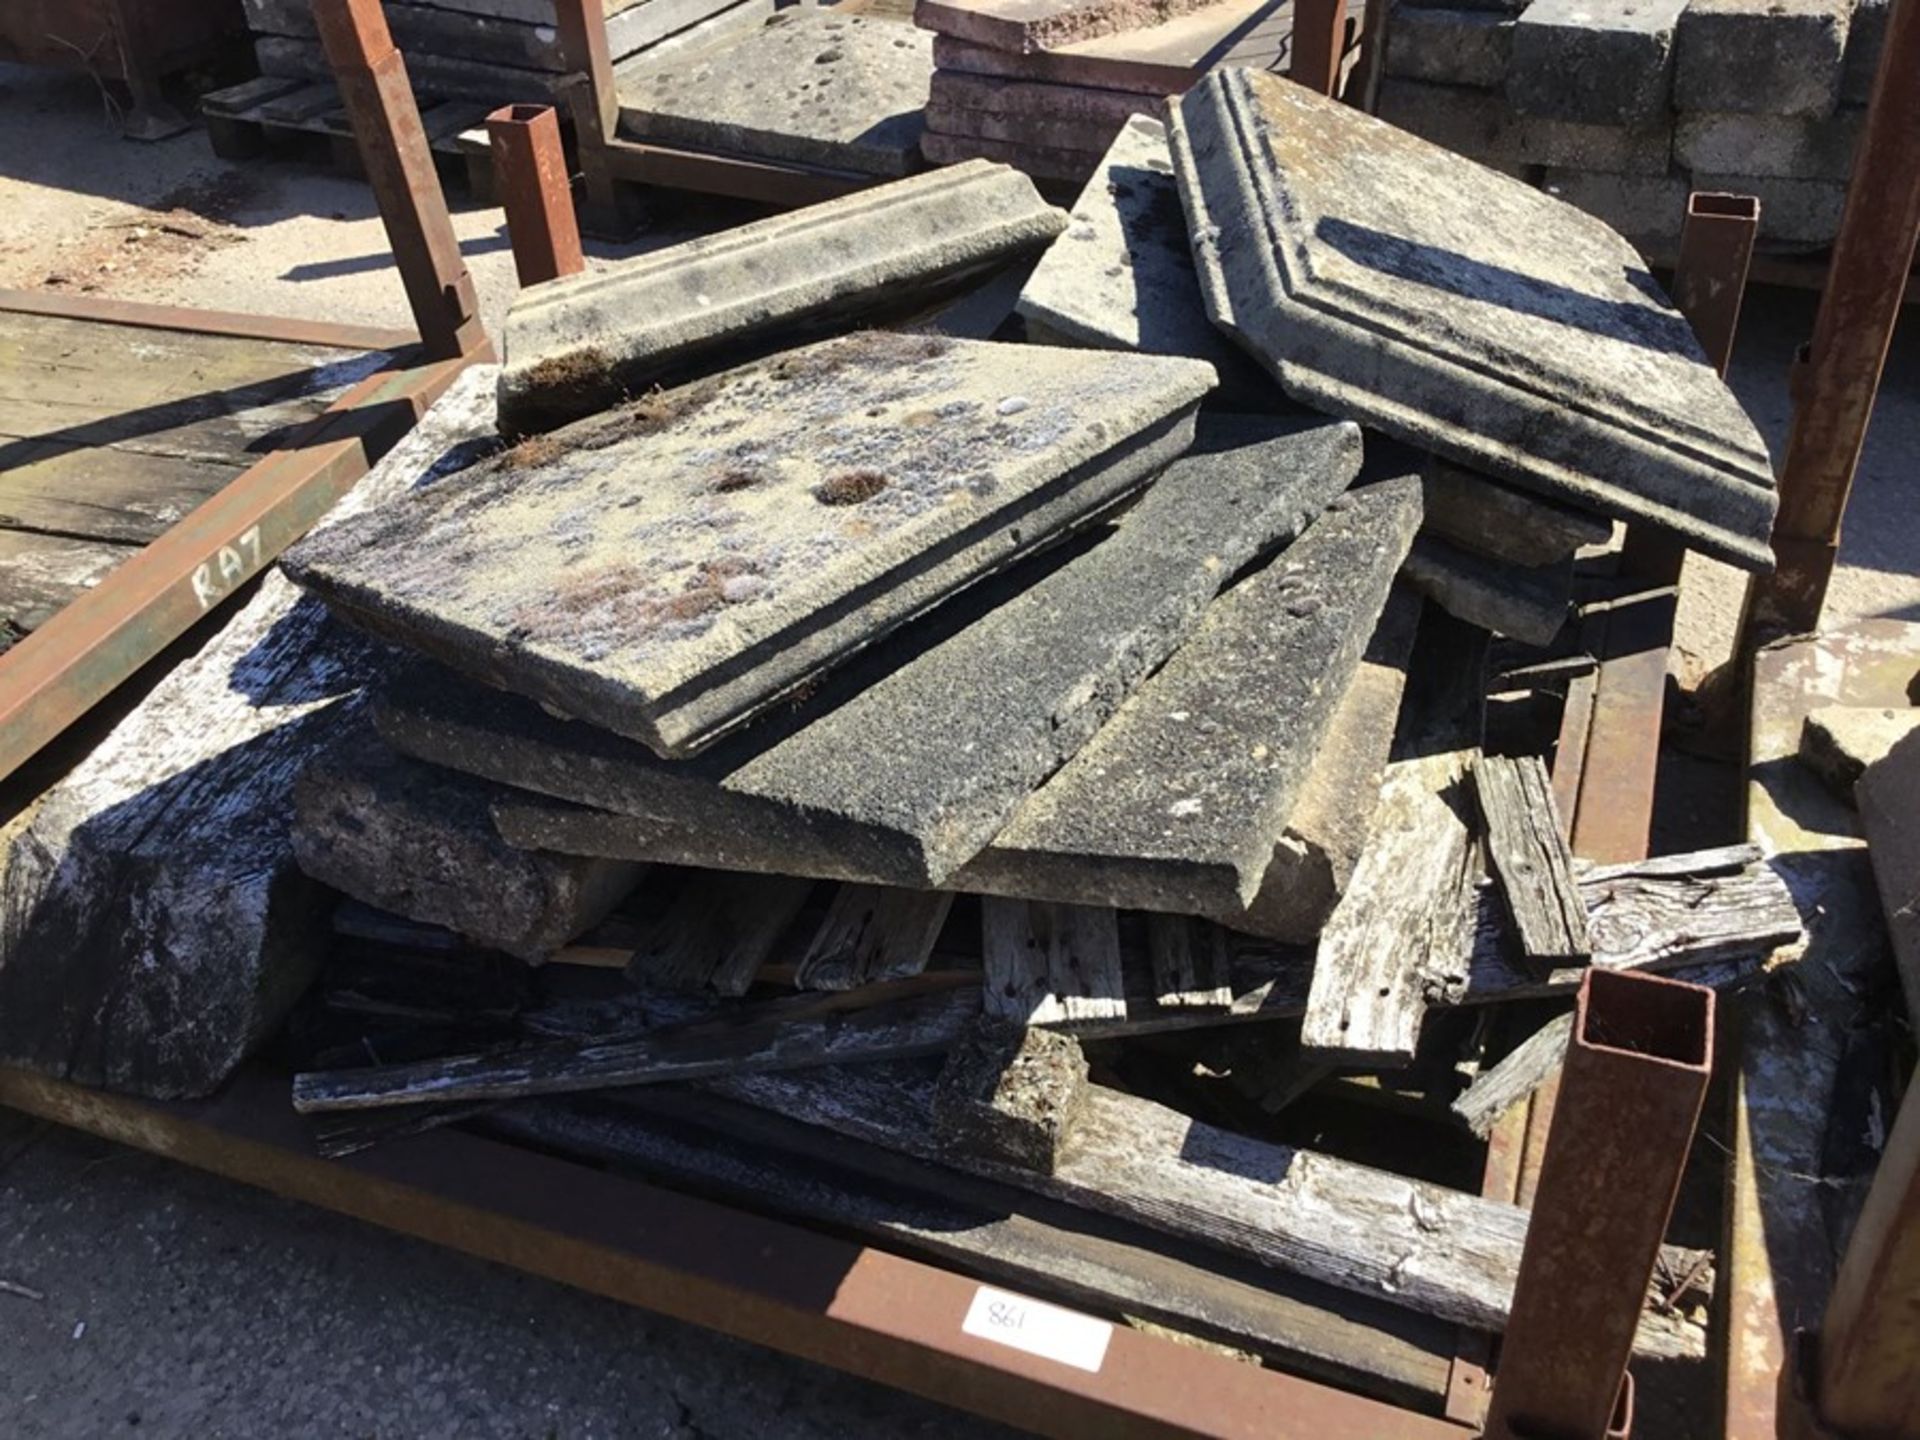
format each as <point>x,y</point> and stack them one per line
<point>1623,110</point>
<point>1047,85</point>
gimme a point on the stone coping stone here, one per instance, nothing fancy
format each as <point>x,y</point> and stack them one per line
<point>1462,312</point>
<point>1121,277</point>
<point>668,569</point>
<point>1778,57</point>
<point>1045,163</point>
<point>1480,514</point>
<point>906,777</point>
<point>582,344</point>
<point>812,86</point>
<point>1777,146</point>
<point>418,840</point>
<point>1024,26</point>
<point>1091,136</point>
<point>1157,60</point>
<point>1177,803</point>
<point>1314,858</point>
<point>1530,605</point>
<point>1449,47</point>
<point>1598,64</point>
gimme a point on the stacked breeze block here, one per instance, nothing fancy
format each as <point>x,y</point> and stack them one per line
<point>1624,109</point>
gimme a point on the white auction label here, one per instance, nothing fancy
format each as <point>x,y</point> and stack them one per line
<point>1038,1328</point>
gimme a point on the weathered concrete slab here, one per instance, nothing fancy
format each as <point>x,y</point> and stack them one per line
<point>1483,515</point>
<point>1122,277</point>
<point>582,344</point>
<point>1449,47</point>
<point>1315,856</point>
<point>1024,26</point>
<point>1595,64</point>
<point>1787,146</point>
<point>1156,60</point>
<point>1462,312</point>
<point>957,91</point>
<point>668,569</point>
<point>967,727</point>
<point>1011,1093</point>
<point>1044,163</point>
<point>1794,214</point>
<point>1889,801</point>
<point>1178,802</point>
<point>418,840</point>
<point>1527,604</point>
<point>810,85</point>
<point>1780,57</point>
<point>1041,132</point>
<point>1839,742</point>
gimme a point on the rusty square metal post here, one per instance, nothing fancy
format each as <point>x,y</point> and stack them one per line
<point>1319,44</point>
<point>393,148</point>
<point>1630,1095</point>
<point>1835,386</point>
<point>593,103</point>
<point>530,177</point>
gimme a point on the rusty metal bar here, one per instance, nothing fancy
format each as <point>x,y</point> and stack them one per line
<point>799,1290</point>
<point>1630,1095</point>
<point>1835,386</point>
<point>1867,1356</point>
<point>101,310</point>
<point>66,666</point>
<point>530,177</point>
<point>1613,822</point>
<point>393,149</point>
<point>593,103</point>
<point>1319,44</point>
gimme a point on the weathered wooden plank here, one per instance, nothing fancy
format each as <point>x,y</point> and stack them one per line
<point>873,933</point>
<point>41,573</point>
<point>104,493</point>
<point>1520,1072</point>
<point>1439,1251</point>
<point>1191,963</point>
<point>1529,858</point>
<point>1403,929</point>
<point>1049,964</point>
<point>718,930</point>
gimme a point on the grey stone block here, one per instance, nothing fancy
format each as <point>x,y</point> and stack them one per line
<point>668,569</point>
<point>906,776</point>
<point>1036,131</point>
<point>1045,163</point>
<point>811,85</point>
<point>1461,312</point>
<point>1449,47</point>
<point>1794,214</point>
<point>1177,803</point>
<point>1866,35</point>
<point>1315,855</point>
<point>1475,123</point>
<point>1647,209</point>
<point>1779,146</point>
<point>1010,1093</point>
<point>418,840</point>
<point>1528,604</point>
<point>1496,520</point>
<point>1024,26</point>
<point>1615,149</point>
<point>584,343</point>
<point>1596,64</point>
<point>1038,101</point>
<point>1781,57</point>
<point>1121,277</point>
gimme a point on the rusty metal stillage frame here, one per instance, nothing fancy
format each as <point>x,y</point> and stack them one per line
<point>530,178</point>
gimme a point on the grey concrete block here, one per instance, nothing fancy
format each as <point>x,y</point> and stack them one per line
<point>1866,35</point>
<point>1449,47</point>
<point>1528,604</point>
<point>811,85</point>
<point>1121,277</point>
<point>1024,26</point>
<point>582,344</point>
<point>1647,209</point>
<point>1781,57</point>
<point>1478,124</point>
<point>1011,1093</point>
<point>1315,855</point>
<point>1461,312</point>
<point>668,569</point>
<point>1614,149</point>
<point>1496,520</point>
<point>1177,803</point>
<point>418,840</point>
<point>968,721</point>
<point>1607,64</point>
<point>1794,214</point>
<point>1782,146</point>
<point>1839,742</point>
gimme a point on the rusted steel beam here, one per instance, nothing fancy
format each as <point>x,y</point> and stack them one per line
<point>1867,1356</point>
<point>799,1290</point>
<point>1613,820</point>
<point>1319,44</point>
<point>393,149</point>
<point>66,666</point>
<point>767,182</point>
<point>530,178</point>
<point>1630,1095</point>
<point>1835,386</point>
<point>593,102</point>
<point>287,331</point>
